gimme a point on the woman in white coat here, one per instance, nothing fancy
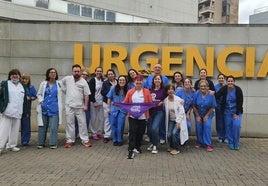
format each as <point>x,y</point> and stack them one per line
<point>175,121</point>
<point>49,109</point>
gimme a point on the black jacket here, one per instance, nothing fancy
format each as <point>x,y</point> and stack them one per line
<point>106,86</point>
<point>239,98</point>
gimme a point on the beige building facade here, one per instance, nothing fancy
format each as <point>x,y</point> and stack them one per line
<point>141,11</point>
<point>218,11</point>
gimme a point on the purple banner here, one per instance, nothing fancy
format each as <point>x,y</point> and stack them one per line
<point>136,109</point>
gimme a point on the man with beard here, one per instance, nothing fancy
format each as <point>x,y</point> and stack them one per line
<point>77,97</point>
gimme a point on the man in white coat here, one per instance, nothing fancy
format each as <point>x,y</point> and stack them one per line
<point>76,103</point>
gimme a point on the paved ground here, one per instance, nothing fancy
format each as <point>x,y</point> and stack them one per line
<point>104,164</point>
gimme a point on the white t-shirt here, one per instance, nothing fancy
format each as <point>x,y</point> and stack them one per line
<point>138,97</point>
<point>98,96</point>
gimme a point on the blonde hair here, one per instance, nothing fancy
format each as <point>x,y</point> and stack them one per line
<point>85,70</point>
<point>27,76</point>
<point>203,81</point>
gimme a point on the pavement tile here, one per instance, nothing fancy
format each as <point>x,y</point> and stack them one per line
<point>105,164</point>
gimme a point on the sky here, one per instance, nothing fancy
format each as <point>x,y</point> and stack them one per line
<point>247,7</point>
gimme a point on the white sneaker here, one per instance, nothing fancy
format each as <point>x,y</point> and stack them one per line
<point>147,139</point>
<point>14,149</point>
<point>131,154</point>
<point>154,151</point>
<point>136,151</point>
<point>150,148</point>
<point>162,142</point>
<point>40,146</point>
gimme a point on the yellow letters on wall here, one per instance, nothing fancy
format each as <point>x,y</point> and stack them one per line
<point>145,57</point>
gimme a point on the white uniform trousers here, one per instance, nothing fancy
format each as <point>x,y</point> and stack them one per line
<point>79,113</point>
<point>9,132</point>
<point>96,119</point>
<point>107,125</point>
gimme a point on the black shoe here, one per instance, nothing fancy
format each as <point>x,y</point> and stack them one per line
<point>115,144</point>
<point>120,143</point>
<point>130,154</point>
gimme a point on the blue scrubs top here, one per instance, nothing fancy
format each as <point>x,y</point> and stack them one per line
<point>188,98</point>
<point>50,104</point>
<point>204,104</point>
<point>230,107</point>
<point>117,99</point>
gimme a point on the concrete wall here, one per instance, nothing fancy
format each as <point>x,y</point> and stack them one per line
<point>34,47</point>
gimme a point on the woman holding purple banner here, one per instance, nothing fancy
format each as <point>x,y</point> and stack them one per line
<point>137,125</point>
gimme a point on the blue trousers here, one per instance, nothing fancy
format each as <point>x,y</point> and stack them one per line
<point>204,132</point>
<point>162,129</point>
<point>233,129</point>
<point>154,123</point>
<point>118,124</point>
<point>25,130</point>
<point>53,123</point>
<point>220,124</point>
<point>173,135</point>
<point>189,125</point>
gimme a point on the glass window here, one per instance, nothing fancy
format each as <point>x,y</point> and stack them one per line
<point>110,16</point>
<point>86,11</point>
<point>99,14</point>
<point>42,3</point>
<point>74,9</point>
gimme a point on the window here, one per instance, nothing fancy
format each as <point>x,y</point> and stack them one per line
<point>99,14</point>
<point>86,11</point>
<point>74,9</point>
<point>110,16</point>
<point>225,8</point>
<point>42,3</point>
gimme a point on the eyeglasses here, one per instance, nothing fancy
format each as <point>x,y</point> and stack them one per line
<point>85,74</point>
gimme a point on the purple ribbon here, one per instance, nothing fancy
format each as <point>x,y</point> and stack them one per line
<point>137,109</point>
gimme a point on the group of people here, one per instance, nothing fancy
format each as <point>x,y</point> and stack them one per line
<point>155,106</point>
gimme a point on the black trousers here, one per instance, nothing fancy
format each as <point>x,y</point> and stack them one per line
<point>136,132</point>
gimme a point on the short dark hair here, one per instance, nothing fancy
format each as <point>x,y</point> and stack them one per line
<point>76,65</point>
<point>110,70</point>
<point>230,77</point>
<point>47,74</point>
<point>13,72</point>
<point>202,70</point>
